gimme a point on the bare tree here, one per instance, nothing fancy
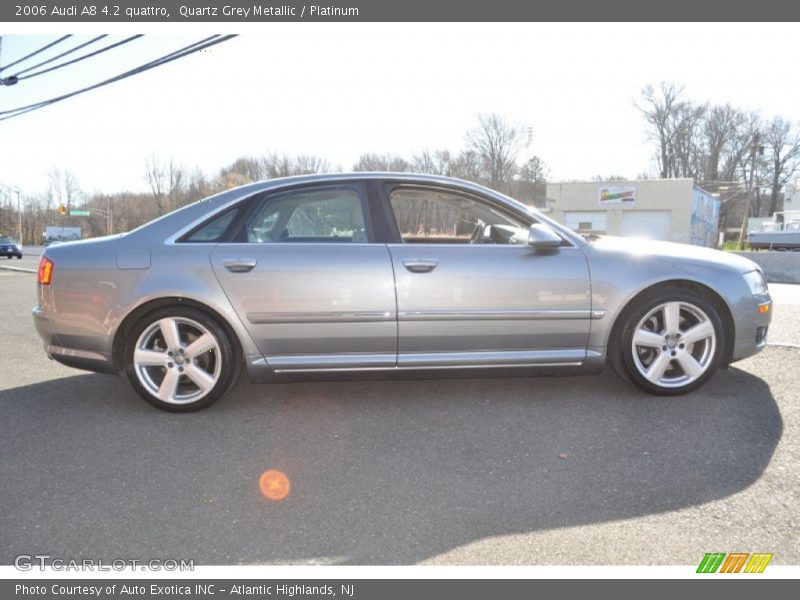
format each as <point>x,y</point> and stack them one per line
<point>673,124</point>
<point>166,183</point>
<point>498,144</point>
<point>467,165</point>
<point>154,175</point>
<point>64,188</point>
<point>437,162</point>
<point>712,144</point>
<point>252,168</point>
<point>726,133</point>
<point>308,163</point>
<point>783,141</point>
<point>658,110</point>
<point>381,162</point>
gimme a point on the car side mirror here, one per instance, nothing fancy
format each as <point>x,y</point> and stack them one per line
<point>541,237</point>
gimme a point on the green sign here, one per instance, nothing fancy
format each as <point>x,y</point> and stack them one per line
<point>79,213</point>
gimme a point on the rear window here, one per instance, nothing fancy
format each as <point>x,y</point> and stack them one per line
<point>214,230</point>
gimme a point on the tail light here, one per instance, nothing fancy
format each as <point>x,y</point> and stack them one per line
<point>45,271</point>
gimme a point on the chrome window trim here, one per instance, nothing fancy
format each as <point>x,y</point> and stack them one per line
<point>507,202</point>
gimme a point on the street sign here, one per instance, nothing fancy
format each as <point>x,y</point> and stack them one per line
<point>79,213</point>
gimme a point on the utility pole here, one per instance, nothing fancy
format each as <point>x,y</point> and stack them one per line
<point>109,217</point>
<point>19,212</point>
<point>755,149</point>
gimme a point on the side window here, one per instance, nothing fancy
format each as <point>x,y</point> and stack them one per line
<point>432,216</point>
<point>330,214</point>
<point>214,230</point>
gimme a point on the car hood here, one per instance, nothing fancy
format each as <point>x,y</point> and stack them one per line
<point>684,253</point>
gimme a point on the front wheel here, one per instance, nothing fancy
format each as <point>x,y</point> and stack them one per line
<point>179,359</point>
<point>670,342</point>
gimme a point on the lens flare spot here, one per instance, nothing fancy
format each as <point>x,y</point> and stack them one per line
<point>274,485</point>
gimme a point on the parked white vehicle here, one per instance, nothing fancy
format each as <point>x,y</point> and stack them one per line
<point>782,233</point>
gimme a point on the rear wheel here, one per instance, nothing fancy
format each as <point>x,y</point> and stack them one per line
<point>670,342</point>
<point>179,359</point>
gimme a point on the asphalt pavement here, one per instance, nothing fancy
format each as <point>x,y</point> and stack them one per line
<point>547,470</point>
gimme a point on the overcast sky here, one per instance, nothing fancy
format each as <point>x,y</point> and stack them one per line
<point>340,90</point>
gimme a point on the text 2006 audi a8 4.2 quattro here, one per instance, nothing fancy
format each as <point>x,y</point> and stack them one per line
<point>387,272</point>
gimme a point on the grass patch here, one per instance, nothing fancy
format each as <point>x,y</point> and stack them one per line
<point>733,246</point>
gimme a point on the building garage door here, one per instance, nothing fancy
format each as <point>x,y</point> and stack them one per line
<point>590,220</point>
<point>650,224</point>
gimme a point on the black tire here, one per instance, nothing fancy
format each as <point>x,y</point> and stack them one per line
<point>19,256</point>
<point>621,350</point>
<point>229,357</point>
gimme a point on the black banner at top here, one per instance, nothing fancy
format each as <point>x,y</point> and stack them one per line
<point>244,11</point>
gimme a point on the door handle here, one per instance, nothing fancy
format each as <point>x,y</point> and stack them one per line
<point>420,265</point>
<point>239,265</point>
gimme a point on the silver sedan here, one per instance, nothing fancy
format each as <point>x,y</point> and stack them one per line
<point>386,272</point>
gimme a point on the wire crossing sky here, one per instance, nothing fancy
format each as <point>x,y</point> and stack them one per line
<point>186,51</point>
<point>342,90</point>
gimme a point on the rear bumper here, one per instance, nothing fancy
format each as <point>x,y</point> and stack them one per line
<point>78,359</point>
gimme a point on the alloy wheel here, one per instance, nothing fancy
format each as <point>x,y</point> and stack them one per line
<point>674,344</point>
<point>177,360</point>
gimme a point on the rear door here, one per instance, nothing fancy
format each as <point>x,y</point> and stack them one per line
<point>308,281</point>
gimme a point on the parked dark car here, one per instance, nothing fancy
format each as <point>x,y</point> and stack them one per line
<point>9,248</point>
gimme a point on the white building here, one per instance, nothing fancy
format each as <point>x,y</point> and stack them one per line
<point>674,210</point>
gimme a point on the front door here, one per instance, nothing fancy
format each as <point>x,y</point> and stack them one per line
<point>309,284</point>
<point>470,291</point>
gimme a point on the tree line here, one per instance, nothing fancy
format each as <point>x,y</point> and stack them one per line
<point>495,154</point>
<point>718,145</point>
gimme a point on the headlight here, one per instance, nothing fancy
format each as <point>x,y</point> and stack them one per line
<point>756,282</point>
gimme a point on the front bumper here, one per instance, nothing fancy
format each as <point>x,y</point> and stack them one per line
<point>751,333</point>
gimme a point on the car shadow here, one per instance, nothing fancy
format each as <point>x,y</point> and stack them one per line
<point>381,472</point>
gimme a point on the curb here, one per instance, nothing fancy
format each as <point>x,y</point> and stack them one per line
<point>18,269</point>
<point>784,345</point>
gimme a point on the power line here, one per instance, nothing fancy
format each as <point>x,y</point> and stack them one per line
<point>152,64</point>
<point>42,49</point>
<point>185,51</point>
<point>14,78</point>
<point>57,56</point>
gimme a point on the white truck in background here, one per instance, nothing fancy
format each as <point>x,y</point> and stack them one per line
<point>56,235</point>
